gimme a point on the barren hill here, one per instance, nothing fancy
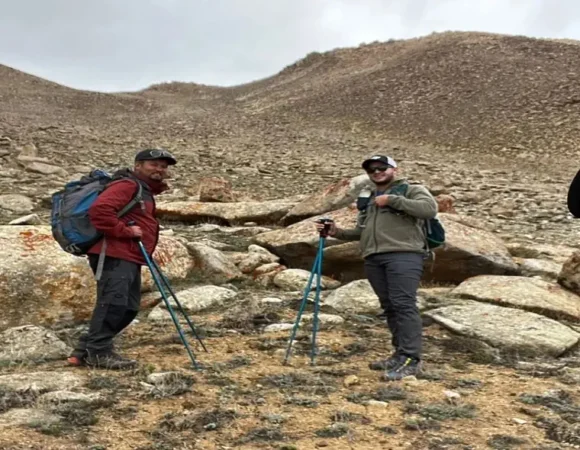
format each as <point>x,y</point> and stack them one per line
<point>460,102</point>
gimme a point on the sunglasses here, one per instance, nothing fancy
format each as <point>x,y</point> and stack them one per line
<point>378,169</point>
<point>160,154</point>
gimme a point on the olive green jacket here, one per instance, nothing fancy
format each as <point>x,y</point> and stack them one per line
<point>397,227</point>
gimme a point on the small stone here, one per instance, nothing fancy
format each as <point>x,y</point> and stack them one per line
<point>519,421</point>
<point>31,219</point>
<point>46,169</point>
<point>351,380</point>
<point>377,403</point>
<point>271,301</point>
<point>452,396</point>
<point>413,381</point>
<point>275,327</point>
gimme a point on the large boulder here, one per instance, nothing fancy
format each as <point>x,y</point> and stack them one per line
<point>256,257</point>
<point>469,251</point>
<point>530,294</point>
<point>194,300</point>
<point>226,213</point>
<point>213,264</point>
<point>39,282</point>
<point>215,189</point>
<point>333,197</point>
<point>355,297</point>
<point>509,329</point>
<point>297,244</point>
<point>173,259</point>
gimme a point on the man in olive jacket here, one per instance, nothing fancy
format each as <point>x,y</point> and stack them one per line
<point>393,244</point>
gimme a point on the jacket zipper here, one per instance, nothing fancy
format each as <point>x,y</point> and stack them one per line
<point>375,212</point>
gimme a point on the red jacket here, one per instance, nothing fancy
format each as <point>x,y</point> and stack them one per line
<point>120,241</point>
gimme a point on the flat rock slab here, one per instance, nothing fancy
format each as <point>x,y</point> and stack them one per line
<point>196,299</point>
<point>40,381</point>
<point>507,328</point>
<point>60,397</point>
<point>335,196</point>
<point>531,294</point>
<point>31,344</point>
<point>226,213</point>
<point>555,253</point>
<point>28,417</point>
<point>543,268</point>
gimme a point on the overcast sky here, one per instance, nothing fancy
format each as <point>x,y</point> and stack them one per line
<point>121,45</point>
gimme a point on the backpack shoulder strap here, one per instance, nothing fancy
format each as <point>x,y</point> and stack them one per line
<point>138,198</point>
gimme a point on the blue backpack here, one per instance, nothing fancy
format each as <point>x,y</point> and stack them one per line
<point>71,226</point>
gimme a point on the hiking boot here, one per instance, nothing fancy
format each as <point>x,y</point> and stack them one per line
<point>386,364</point>
<point>407,367</point>
<point>111,361</point>
<point>77,358</point>
<point>76,361</point>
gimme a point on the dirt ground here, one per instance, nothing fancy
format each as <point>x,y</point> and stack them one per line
<point>244,397</point>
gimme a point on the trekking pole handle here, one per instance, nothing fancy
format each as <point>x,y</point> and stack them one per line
<point>327,224</point>
<point>132,223</point>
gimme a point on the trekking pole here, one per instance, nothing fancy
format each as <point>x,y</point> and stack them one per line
<point>167,302</point>
<point>316,270</point>
<point>189,322</point>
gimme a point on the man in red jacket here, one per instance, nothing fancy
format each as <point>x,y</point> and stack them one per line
<point>119,284</point>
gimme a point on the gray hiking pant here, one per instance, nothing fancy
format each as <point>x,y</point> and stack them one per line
<point>395,279</point>
<point>118,301</point>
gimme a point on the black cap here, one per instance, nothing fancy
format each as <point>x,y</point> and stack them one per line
<point>155,153</point>
<point>379,158</point>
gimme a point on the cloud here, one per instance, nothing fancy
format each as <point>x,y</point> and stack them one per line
<point>114,45</point>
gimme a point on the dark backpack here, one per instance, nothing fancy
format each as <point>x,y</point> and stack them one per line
<point>71,226</point>
<point>433,228</point>
<point>573,197</point>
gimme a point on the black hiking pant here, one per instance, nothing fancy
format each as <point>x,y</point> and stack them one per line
<point>118,300</point>
<point>395,279</point>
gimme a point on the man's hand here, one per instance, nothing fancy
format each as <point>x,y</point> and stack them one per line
<point>331,230</point>
<point>137,232</point>
<point>382,200</point>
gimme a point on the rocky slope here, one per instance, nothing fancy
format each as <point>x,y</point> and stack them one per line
<point>487,122</point>
<point>490,119</point>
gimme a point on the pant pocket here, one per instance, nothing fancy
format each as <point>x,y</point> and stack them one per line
<point>115,291</point>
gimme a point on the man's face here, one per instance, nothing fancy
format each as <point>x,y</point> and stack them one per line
<point>380,173</point>
<point>155,169</point>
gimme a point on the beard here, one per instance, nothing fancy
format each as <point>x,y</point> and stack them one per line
<point>384,181</point>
